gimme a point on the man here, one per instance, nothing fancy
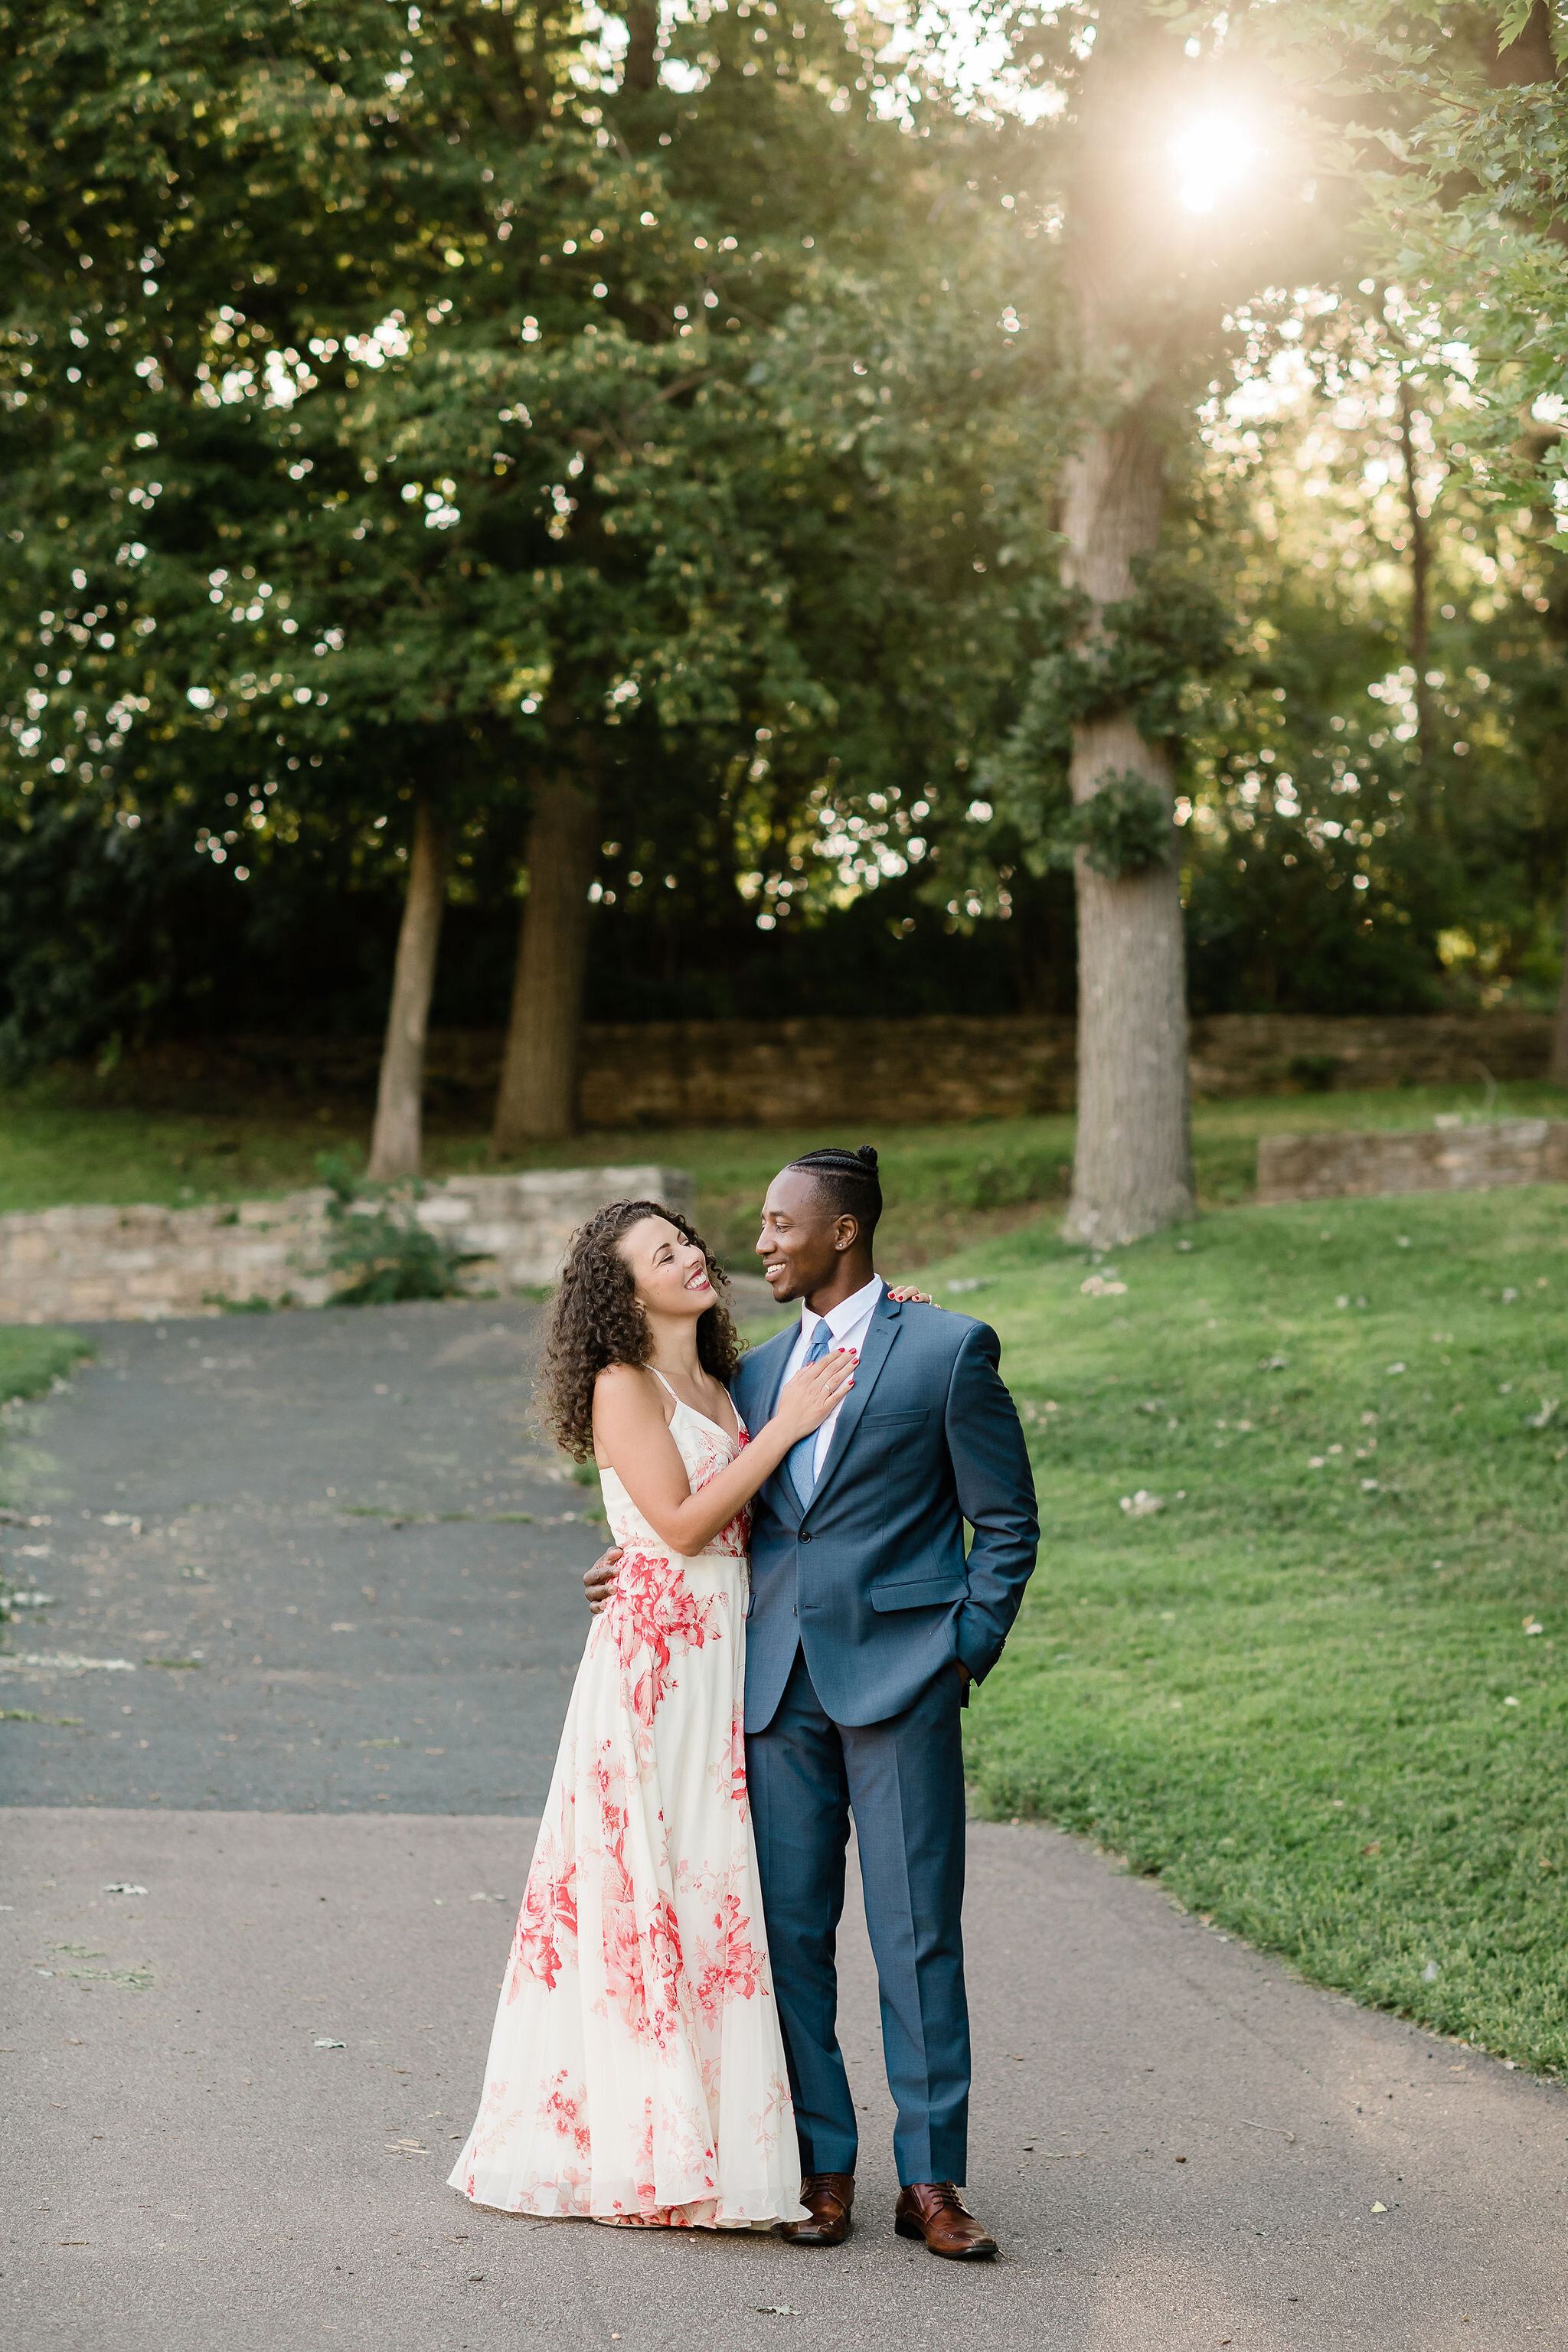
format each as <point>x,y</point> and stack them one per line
<point>866,1627</point>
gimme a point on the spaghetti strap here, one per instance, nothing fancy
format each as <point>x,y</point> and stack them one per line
<point>681,1406</point>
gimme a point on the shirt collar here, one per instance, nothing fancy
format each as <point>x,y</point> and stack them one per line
<point>848,1311</point>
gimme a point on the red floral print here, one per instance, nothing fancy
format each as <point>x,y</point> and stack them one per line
<point>738,1796</point>
<point>549,1911</point>
<point>735,1972</point>
<point>563,2111</point>
<point>652,1610</point>
<point>637,2072</point>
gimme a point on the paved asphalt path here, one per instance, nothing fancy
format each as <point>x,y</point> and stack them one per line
<point>345,1519</point>
<point>1178,2147</point>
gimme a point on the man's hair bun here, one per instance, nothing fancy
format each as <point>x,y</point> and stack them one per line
<point>847,1182</point>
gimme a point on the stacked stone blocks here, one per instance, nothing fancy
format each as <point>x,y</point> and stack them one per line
<point>1447,1157</point>
<point>116,1265</point>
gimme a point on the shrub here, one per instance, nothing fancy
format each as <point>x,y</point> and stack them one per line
<point>379,1244</point>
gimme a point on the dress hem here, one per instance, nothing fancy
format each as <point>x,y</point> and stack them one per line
<point>688,2214</point>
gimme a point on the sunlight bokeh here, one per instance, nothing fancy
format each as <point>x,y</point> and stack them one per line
<point>1213,154</point>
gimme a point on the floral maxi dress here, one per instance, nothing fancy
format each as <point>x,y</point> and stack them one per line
<point>636,2069</point>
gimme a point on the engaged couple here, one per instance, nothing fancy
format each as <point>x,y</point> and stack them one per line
<point>784,1637</point>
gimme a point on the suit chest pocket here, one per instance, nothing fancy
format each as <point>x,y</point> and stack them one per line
<point>890,1425</point>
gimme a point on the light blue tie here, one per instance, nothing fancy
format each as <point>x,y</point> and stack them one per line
<point>802,1457</point>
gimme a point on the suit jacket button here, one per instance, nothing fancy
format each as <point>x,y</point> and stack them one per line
<point>806,1539</point>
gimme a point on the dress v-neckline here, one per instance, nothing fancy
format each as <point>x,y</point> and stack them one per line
<point>731,1436</point>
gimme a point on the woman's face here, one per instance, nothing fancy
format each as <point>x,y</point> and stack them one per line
<point>669,1273</point>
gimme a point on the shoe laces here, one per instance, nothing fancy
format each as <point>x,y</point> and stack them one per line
<point>946,2199</point>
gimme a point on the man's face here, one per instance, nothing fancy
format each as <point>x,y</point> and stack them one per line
<point>800,1243</point>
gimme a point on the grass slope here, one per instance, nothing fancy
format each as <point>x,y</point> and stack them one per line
<point>943,1183</point>
<point>1307,1695</point>
<point>32,1355</point>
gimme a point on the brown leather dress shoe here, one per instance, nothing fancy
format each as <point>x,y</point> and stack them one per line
<point>827,2197</point>
<point>934,2211</point>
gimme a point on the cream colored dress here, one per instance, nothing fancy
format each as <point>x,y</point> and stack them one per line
<point>636,2069</point>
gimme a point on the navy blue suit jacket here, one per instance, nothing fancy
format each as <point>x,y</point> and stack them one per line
<point>871,1580</point>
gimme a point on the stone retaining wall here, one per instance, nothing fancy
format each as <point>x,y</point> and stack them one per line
<point>806,1072</point>
<point>125,1265</point>
<point>1413,1160</point>
<point>819,1072</point>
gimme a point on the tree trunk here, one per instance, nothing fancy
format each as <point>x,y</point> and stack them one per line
<point>1133,1159</point>
<point>538,1099</point>
<point>642,43</point>
<point>1529,58</point>
<point>395,1143</point>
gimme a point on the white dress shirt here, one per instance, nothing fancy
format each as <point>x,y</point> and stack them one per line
<point>849,1322</point>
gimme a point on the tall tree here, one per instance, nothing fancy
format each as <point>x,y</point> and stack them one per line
<point>462,480</point>
<point>1132,1163</point>
<point>670,599</point>
<point>179,183</point>
<point>1168,216</point>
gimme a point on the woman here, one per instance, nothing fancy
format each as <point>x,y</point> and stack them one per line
<point>636,2070</point>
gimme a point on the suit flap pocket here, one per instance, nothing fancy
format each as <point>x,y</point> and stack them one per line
<point>923,1592</point>
<point>871,1419</point>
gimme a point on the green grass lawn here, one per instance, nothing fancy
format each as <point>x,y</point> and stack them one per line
<point>943,1183</point>
<point>1306,1689</point>
<point>32,1356</point>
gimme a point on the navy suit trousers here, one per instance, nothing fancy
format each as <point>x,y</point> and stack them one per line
<point>903,1781</point>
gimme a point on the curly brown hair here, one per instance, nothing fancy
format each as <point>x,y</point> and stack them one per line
<point>595,1320</point>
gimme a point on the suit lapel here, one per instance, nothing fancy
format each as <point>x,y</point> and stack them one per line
<point>879,1338</point>
<point>777,1351</point>
<point>780,1488</point>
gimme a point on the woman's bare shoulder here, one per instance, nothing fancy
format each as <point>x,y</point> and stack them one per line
<point>629,1389</point>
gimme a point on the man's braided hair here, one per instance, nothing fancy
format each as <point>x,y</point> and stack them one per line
<point>848,1184</point>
